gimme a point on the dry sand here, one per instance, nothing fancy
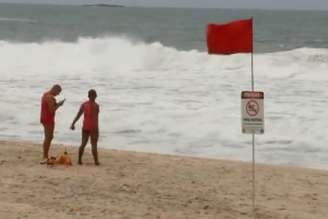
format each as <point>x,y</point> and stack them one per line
<point>139,185</point>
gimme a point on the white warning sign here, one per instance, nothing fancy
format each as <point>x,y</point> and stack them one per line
<point>252,112</point>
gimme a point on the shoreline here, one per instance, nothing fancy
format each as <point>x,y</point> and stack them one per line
<point>144,185</point>
<point>203,157</point>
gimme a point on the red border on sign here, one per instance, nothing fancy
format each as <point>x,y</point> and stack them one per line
<point>252,95</point>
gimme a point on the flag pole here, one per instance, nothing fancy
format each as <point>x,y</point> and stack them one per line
<point>253,166</point>
<point>253,134</point>
<point>252,71</point>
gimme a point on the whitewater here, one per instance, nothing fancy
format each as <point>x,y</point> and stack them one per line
<point>160,99</point>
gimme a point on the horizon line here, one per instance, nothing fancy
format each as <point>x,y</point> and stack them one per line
<point>169,7</point>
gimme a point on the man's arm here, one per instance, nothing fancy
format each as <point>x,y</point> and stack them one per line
<point>77,117</point>
<point>97,109</point>
<point>53,106</point>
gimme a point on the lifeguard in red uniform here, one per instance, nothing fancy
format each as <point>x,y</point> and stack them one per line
<point>47,118</point>
<point>90,111</point>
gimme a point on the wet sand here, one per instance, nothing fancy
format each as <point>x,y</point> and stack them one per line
<point>140,185</point>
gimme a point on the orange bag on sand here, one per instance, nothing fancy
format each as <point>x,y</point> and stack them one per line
<point>51,161</point>
<point>64,158</point>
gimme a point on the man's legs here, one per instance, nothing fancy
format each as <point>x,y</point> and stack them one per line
<point>85,138</point>
<point>94,142</point>
<point>48,136</point>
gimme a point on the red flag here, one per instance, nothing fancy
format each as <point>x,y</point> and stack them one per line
<point>229,38</point>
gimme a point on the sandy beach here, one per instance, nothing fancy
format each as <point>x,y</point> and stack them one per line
<point>141,185</point>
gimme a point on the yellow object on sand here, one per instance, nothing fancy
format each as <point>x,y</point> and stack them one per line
<point>62,158</point>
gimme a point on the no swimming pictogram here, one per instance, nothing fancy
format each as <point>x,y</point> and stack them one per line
<point>252,108</point>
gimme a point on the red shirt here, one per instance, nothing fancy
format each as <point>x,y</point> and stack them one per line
<point>90,116</point>
<point>47,117</point>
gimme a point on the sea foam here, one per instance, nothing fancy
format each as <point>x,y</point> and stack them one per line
<point>159,99</point>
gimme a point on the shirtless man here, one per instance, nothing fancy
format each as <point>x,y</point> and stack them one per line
<point>90,111</point>
<point>47,118</point>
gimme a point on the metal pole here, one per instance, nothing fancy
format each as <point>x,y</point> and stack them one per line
<point>253,135</point>
<point>253,156</point>
<point>252,72</point>
<point>252,66</point>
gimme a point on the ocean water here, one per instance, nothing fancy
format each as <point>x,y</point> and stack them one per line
<point>158,89</point>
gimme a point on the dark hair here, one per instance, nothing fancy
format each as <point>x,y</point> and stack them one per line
<point>92,93</point>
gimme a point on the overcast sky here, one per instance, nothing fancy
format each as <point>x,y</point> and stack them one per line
<point>255,4</point>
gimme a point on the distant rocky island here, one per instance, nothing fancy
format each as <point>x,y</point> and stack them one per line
<point>103,5</point>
